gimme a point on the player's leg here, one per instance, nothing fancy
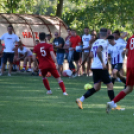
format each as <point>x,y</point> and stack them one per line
<point>30,62</point>
<point>119,97</point>
<point>11,57</point>
<point>83,65</point>
<point>106,80</point>
<point>45,81</point>
<point>25,64</point>
<point>89,71</point>
<point>122,78</point>
<point>60,60</point>
<point>56,75</point>
<point>4,61</point>
<point>123,93</point>
<point>115,71</point>
<point>90,92</point>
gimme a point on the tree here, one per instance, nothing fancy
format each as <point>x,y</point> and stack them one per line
<point>59,8</point>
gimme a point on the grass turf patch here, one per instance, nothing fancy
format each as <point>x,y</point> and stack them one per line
<point>26,109</point>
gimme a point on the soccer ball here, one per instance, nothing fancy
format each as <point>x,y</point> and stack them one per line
<point>87,86</point>
<point>67,73</point>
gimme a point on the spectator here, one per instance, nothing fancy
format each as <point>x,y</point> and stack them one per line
<point>24,54</point>
<point>67,43</point>
<point>37,42</point>
<point>59,44</point>
<point>49,39</point>
<point>75,40</point>
<point>85,40</point>
<point>9,39</point>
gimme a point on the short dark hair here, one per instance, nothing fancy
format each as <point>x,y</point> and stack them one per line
<point>117,32</point>
<point>86,27</point>
<point>10,26</point>
<point>111,37</point>
<point>73,30</point>
<point>42,36</point>
<point>48,35</point>
<point>103,32</point>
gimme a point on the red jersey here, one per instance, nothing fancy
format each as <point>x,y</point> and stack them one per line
<point>75,40</point>
<point>42,51</point>
<point>130,57</point>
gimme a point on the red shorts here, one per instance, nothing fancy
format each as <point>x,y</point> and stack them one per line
<point>54,72</point>
<point>130,77</point>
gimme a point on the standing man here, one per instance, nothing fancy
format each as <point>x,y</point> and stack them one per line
<point>75,40</point>
<point>99,53</point>
<point>47,63</point>
<point>85,40</point>
<point>130,75</point>
<point>59,44</point>
<point>9,39</point>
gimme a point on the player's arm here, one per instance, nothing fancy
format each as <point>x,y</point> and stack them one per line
<point>127,52</point>
<point>99,53</point>
<point>59,46</point>
<point>91,55</point>
<point>54,58</point>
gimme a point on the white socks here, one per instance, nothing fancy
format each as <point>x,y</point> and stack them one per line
<point>82,98</point>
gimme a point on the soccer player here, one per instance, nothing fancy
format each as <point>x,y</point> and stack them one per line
<point>114,51</point>
<point>130,75</point>
<point>47,62</point>
<point>99,53</point>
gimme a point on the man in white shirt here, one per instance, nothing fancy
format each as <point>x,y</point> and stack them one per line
<point>85,40</point>
<point>115,51</point>
<point>25,54</point>
<point>9,39</point>
<point>99,53</point>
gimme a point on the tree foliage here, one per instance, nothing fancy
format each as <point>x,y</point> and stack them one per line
<point>79,13</point>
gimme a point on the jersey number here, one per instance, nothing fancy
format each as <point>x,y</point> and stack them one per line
<point>43,52</point>
<point>132,44</point>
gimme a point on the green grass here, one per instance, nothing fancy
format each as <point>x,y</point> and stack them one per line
<point>26,109</point>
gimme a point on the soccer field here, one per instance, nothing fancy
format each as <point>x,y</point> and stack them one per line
<point>26,109</point>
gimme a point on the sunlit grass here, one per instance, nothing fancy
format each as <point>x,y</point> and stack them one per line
<point>26,109</point>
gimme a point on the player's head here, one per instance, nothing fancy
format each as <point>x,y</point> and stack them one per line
<point>56,34</point>
<point>111,39</point>
<point>103,33</point>
<point>20,44</point>
<point>42,36</point>
<point>10,29</point>
<point>116,34</point>
<point>109,32</point>
<point>48,36</point>
<point>73,32</point>
<point>69,31</point>
<point>86,30</point>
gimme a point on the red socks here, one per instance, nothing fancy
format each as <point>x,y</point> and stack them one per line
<point>120,96</point>
<point>46,83</point>
<point>61,84</point>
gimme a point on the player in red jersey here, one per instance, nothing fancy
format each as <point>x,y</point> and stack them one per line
<point>47,62</point>
<point>130,75</point>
